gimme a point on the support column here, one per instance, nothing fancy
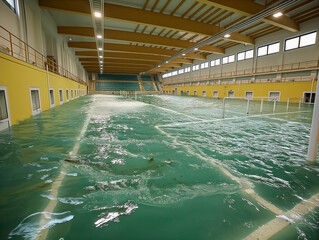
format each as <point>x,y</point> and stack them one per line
<point>314,132</point>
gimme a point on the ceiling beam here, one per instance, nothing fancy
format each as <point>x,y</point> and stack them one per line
<point>134,49</point>
<point>121,55</point>
<point>119,61</point>
<point>248,8</point>
<point>137,38</point>
<point>140,16</point>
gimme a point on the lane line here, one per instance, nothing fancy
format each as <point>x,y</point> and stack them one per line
<point>45,218</point>
<point>285,219</point>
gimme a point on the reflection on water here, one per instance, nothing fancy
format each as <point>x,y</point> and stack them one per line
<point>129,172</point>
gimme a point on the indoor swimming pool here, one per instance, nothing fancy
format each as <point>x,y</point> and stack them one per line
<point>158,167</point>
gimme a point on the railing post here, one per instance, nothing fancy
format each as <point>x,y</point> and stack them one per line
<point>247,108</point>
<point>223,112</point>
<point>26,52</point>
<point>261,105</point>
<point>287,104</point>
<point>275,103</point>
<point>11,44</point>
<point>300,100</point>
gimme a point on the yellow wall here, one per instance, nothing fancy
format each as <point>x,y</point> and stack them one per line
<point>18,77</point>
<point>287,89</point>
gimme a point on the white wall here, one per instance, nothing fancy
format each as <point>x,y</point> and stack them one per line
<point>309,53</point>
<point>41,32</point>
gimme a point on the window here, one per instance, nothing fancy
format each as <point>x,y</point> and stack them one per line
<point>268,49</point>
<point>231,93</point>
<point>249,95</point>
<point>215,62</point>
<point>187,92</point>
<point>195,67</point>
<point>203,93</point>
<point>215,94</point>
<point>301,41</point>
<point>174,73</point>
<point>35,100</point>
<point>71,93</point>
<point>181,71</point>
<point>188,69</point>
<point>245,55</point>
<point>228,59</point>
<point>67,94</point>
<point>51,93</point>
<point>4,109</point>
<point>274,96</point>
<point>11,4</point>
<point>195,93</point>
<point>204,65</point>
<point>3,105</point>
<point>61,96</point>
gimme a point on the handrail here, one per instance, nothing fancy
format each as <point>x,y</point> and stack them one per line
<point>14,46</point>
<point>299,66</point>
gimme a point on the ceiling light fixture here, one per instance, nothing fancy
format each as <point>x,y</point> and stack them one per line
<point>100,49</point>
<point>159,65</point>
<point>166,62</point>
<point>97,14</point>
<point>70,39</point>
<point>183,54</point>
<point>227,35</point>
<point>100,56</point>
<point>278,14</point>
<point>99,36</point>
<point>195,48</point>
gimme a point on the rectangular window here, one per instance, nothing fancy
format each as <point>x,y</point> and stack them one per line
<point>3,106</point>
<point>181,71</point>
<point>215,94</point>
<point>249,95</point>
<point>274,96</point>
<point>301,41</point>
<point>203,93</point>
<point>51,93</point>
<point>67,94</point>
<point>231,93</point>
<point>195,67</point>
<point>61,96</point>
<point>35,100</point>
<point>262,51</point>
<point>204,65</point>
<point>11,4</point>
<point>268,49</point>
<point>217,62</point>
<point>245,55</point>
<point>241,56</point>
<point>228,59</point>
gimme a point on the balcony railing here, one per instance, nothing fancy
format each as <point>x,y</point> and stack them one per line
<point>12,45</point>
<point>216,78</point>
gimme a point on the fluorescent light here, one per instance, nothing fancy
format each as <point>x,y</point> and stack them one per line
<point>97,14</point>
<point>166,62</point>
<point>227,35</point>
<point>70,39</point>
<point>100,49</point>
<point>99,36</point>
<point>159,65</point>
<point>195,48</point>
<point>183,54</point>
<point>100,56</point>
<point>101,61</point>
<point>278,14</point>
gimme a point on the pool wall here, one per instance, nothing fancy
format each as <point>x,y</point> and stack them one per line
<point>287,89</point>
<point>18,77</point>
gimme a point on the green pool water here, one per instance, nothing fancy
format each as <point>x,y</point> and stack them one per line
<point>146,168</point>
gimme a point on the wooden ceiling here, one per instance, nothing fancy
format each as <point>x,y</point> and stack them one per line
<point>139,34</point>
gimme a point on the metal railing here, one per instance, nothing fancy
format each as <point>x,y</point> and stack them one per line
<point>14,46</point>
<point>214,78</point>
